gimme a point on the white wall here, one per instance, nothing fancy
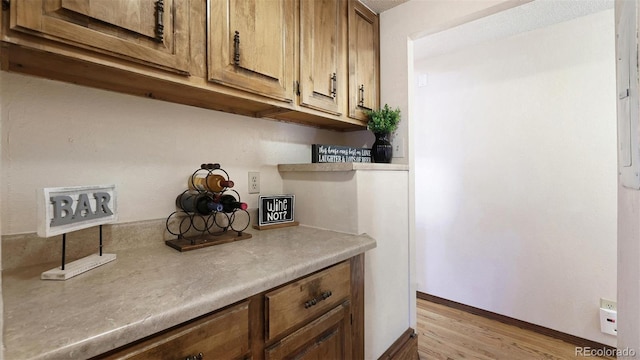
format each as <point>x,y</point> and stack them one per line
<point>397,27</point>
<point>58,134</point>
<point>629,234</point>
<point>515,172</point>
<point>372,202</point>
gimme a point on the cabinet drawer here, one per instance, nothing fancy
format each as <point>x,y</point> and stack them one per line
<point>328,337</point>
<point>306,299</point>
<point>223,335</point>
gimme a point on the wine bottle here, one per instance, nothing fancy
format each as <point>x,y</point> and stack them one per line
<point>200,203</point>
<point>196,182</point>
<point>217,183</point>
<point>229,203</point>
<point>210,182</point>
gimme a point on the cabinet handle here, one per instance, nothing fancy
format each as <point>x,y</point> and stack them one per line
<point>236,48</point>
<point>316,300</point>
<point>195,357</point>
<point>159,30</point>
<point>361,100</point>
<point>334,84</point>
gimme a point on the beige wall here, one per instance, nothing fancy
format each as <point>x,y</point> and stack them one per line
<point>58,134</point>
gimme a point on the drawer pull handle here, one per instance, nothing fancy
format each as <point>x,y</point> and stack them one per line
<point>195,357</point>
<point>316,300</point>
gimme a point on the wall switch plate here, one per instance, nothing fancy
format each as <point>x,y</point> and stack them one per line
<point>254,182</point>
<point>609,321</point>
<point>422,80</point>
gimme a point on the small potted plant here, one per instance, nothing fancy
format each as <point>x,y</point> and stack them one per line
<point>382,123</point>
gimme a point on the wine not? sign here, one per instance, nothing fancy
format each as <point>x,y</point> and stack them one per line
<point>65,209</point>
<point>275,209</point>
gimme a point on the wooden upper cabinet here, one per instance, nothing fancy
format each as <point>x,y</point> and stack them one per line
<point>323,61</point>
<point>251,46</point>
<point>364,60</point>
<point>149,31</point>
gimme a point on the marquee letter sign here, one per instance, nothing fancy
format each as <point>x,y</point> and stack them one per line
<point>65,209</point>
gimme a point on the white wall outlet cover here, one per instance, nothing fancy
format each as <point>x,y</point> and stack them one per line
<point>254,182</point>
<point>609,321</point>
<point>608,304</point>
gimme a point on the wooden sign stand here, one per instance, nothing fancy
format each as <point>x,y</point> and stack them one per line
<point>191,243</point>
<point>77,267</point>
<point>276,226</point>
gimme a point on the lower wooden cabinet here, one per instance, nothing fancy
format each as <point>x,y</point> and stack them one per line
<point>222,335</point>
<point>319,316</point>
<point>328,337</point>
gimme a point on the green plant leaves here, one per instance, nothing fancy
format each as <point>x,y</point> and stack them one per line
<point>384,120</point>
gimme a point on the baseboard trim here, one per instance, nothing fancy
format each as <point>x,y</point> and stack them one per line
<point>571,339</point>
<point>404,348</point>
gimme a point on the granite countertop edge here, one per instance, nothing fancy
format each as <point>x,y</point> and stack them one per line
<point>277,268</point>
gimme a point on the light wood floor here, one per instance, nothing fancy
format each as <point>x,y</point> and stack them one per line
<point>450,334</point>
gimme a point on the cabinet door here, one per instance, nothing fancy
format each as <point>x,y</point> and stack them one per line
<point>364,60</point>
<point>251,46</point>
<point>154,32</point>
<point>328,337</point>
<point>322,55</point>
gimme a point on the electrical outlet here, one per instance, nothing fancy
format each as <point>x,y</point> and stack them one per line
<point>608,304</point>
<point>254,182</point>
<point>398,147</point>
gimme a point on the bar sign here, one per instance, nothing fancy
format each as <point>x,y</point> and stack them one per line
<point>65,209</point>
<point>275,209</point>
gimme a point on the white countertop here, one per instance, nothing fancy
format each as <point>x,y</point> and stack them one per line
<point>149,289</point>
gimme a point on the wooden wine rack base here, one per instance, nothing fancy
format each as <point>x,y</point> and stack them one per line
<point>198,242</point>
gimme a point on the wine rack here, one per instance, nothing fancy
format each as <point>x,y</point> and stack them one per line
<point>208,213</point>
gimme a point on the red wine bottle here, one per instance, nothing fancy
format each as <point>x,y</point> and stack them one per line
<point>200,203</point>
<point>229,203</point>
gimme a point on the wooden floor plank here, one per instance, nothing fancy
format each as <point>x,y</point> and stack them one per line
<point>445,333</point>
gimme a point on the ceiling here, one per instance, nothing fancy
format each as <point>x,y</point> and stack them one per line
<point>381,5</point>
<point>527,17</point>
